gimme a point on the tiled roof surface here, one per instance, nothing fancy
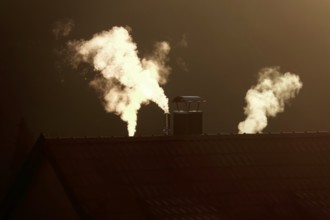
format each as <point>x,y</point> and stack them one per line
<point>264,176</point>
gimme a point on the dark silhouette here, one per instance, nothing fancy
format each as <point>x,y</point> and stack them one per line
<point>234,177</point>
<point>23,145</point>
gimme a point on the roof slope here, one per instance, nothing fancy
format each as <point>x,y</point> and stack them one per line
<point>265,176</point>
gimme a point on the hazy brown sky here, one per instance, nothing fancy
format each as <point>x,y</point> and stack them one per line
<point>225,44</point>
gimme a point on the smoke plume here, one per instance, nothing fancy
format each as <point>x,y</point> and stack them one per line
<point>125,81</point>
<point>268,97</point>
<point>62,28</point>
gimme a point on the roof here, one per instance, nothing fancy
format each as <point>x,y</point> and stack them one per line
<point>262,176</point>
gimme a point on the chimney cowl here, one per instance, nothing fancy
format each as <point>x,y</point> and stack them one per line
<point>189,103</point>
<point>188,118</point>
<point>188,99</point>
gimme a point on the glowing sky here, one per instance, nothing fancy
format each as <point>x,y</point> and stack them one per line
<point>217,50</point>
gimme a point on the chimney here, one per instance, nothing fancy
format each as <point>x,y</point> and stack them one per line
<point>167,129</point>
<point>188,118</point>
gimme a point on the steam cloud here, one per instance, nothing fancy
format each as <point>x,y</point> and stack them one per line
<point>268,97</point>
<point>125,81</point>
<point>182,44</point>
<point>62,28</point>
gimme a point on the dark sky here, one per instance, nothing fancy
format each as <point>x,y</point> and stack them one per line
<point>229,41</point>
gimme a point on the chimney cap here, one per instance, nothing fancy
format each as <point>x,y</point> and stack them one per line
<point>188,99</point>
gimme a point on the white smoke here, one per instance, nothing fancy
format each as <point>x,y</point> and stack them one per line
<point>125,80</point>
<point>182,44</point>
<point>268,97</point>
<point>62,28</point>
<point>184,41</point>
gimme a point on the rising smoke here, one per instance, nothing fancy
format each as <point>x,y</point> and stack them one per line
<point>62,28</point>
<point>125,81</point>
<point>268,97</point>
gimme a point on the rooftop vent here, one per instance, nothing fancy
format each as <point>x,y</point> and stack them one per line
<point>187,117</point>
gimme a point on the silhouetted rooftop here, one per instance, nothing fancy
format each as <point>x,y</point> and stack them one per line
<point>259,176</point>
